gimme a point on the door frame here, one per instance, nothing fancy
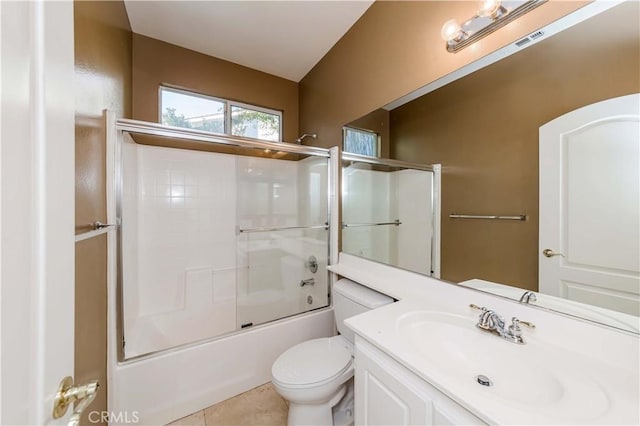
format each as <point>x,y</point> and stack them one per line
<point>37,178</point>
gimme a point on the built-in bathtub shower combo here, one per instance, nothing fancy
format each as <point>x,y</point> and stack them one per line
<point>213,243</point>
<point>219,261</point>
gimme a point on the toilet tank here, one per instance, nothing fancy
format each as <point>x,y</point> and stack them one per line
<point>351,299</point>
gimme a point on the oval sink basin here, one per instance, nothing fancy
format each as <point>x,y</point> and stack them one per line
<point>524,376</point>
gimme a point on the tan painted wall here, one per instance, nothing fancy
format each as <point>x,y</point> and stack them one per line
<point>158,63</point>
<point>484,130</point>
<point>102,80</point>
<point>392,50</point>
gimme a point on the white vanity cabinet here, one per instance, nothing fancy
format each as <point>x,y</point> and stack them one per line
<point>386,393</point>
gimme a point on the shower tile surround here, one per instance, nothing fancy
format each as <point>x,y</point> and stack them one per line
<point>183,283</point>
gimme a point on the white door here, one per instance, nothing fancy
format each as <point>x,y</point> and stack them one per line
<point>589,205</point>
<point>37,208</point>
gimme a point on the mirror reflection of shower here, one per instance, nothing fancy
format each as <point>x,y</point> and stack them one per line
<point>390,212</point>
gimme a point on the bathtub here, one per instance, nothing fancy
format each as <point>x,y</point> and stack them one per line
<point>178,382</point>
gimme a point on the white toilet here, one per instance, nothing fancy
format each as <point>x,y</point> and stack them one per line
<point>314,376</point>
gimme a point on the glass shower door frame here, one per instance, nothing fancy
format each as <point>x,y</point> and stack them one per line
<point>117,128</point>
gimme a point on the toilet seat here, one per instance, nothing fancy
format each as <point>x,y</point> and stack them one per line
<point>312,363</point>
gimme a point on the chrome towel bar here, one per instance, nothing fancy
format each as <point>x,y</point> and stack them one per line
<point>355,225</point>
<point>495,217</point>
<point>281,228</point>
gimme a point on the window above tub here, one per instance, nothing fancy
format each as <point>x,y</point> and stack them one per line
<point>192,110</point>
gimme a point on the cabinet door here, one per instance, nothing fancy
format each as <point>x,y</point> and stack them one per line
<point>386,393</point>
<point>384,398</point>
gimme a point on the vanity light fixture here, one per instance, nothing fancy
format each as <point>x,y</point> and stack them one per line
<point>491,15</point>
<point>491,9</point>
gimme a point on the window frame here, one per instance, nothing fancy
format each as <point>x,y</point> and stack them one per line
<point>228,104</point>
<point>360,129</point>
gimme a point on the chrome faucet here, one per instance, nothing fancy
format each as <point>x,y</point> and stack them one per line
<point>528,297</point>
<point>492,322</point>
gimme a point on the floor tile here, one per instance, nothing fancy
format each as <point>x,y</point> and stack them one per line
<point>195,419</point>
<point>261,406</point>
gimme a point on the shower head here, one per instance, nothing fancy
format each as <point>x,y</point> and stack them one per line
<point>310,135</point>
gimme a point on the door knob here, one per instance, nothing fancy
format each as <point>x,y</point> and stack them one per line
<point>551,253</point>
<point>67,394</point>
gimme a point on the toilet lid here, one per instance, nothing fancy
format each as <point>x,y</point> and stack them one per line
<point>310,362</point>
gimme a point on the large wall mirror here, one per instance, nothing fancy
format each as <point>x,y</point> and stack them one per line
<point>485,131</point>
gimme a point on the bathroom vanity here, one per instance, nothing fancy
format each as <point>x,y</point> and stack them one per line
<point>390,394</point>
<point>424,360</point>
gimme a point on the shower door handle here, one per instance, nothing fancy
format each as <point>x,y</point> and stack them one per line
<point>310,281</point>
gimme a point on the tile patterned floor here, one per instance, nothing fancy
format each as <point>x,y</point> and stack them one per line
<point>261,406</point>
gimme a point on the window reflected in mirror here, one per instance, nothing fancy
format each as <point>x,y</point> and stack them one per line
<point>361,142</point>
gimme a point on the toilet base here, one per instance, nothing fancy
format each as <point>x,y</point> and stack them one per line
<point>316,415</point>
<point>343,410</point>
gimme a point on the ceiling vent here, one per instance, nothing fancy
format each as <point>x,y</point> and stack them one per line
<point>536,35</point>
<point>529,38</point>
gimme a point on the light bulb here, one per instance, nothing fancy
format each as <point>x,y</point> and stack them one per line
<point>489,8</point>
<point>450,30</point>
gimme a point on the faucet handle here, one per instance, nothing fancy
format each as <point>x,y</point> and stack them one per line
<point>515,330</point>
<point>479,308</point>
<point>515,322</point>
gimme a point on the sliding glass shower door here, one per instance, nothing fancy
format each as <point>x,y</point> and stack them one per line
<point>282,238</point>
<point>216,238</point>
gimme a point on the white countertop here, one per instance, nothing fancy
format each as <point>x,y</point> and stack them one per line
<point>598,366</point>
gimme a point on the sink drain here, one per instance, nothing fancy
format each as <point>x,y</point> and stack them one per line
<point>484,380</point>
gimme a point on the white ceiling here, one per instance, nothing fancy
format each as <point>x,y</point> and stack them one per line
<point>284,38</point>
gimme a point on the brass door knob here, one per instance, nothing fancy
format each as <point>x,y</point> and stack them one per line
<point>551,253</point>
<point>68,394</point>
